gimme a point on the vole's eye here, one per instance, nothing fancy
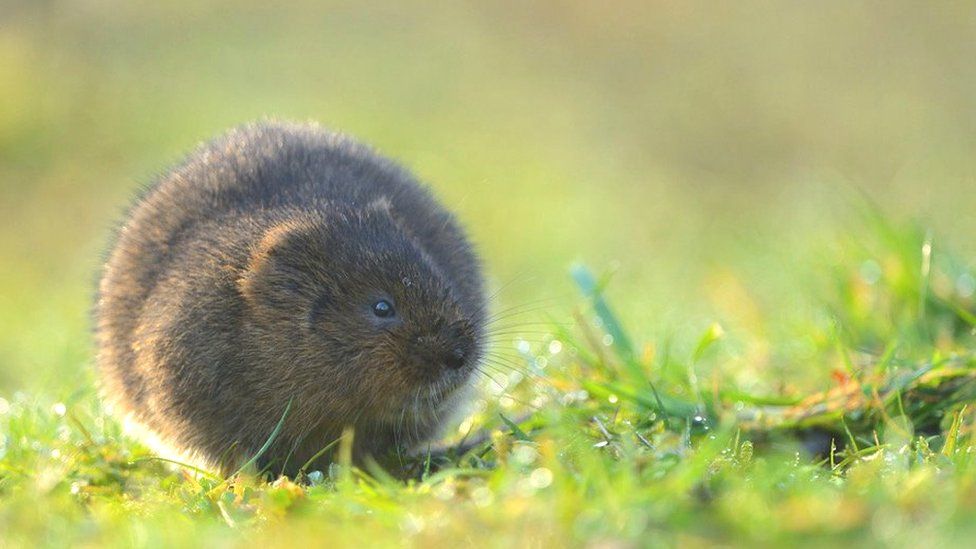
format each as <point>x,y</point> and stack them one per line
<point>383,309</point>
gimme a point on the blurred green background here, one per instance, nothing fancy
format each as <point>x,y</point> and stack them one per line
<point>703,152</point>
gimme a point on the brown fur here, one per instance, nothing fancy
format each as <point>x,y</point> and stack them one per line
<point>244,279</point>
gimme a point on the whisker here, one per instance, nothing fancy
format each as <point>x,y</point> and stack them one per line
<point>520,332</point>
<point>522,276</point>
<point>504,387</point>
<point>536,323</point>
<point>527,375</point>
<point>523,307</point>
<point>489,376</point>
<point>511,363</point>
<point>513,313</point>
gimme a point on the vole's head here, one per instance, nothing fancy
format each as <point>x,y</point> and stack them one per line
<point>364,318</point>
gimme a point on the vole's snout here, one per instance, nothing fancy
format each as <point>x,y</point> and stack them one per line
<point>450,349</point>
<point>459,345</point>
<point>454,359</point>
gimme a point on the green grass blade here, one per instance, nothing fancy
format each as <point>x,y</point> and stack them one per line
<point>622,344</point>
<point>267,444</point>
<point>517,432</point>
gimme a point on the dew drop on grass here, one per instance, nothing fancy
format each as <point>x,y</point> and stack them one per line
<point>608,340</point>
<point>524,454</point>
<point>444,491</point>
<point>482,496</point>
<point>870,272</point>
<point>316,477</point>
<point>59,409</point>
<point>555,346</point>
<point>966,285</point>
<point>335,471</point>
<point>745,452</point>
<point>540,478</point>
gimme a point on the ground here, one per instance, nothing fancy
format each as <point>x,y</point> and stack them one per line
<point>591,440</point>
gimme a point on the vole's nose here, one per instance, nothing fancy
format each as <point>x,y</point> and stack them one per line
<point>448,349</point>
<point>454,358</point>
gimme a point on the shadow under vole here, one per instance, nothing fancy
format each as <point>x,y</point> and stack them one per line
<point>284,263</point>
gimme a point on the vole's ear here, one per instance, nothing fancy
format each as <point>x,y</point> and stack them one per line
<point>382,205</point>
<point>268,279</point>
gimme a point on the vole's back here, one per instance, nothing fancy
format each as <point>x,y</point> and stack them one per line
<point>192,232</point>
<point>269,166</point>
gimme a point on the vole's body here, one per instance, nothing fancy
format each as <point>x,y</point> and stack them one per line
<point>244,279</point>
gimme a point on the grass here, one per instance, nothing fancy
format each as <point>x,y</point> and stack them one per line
<point>739,359</point>
<point>596,435</point>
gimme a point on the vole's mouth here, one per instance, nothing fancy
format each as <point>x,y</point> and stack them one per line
<point>424,401</point>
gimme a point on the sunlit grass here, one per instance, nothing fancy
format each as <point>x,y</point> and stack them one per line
<point>593,434</point>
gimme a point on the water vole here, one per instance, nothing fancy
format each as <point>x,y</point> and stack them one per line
<point>284,263</point>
